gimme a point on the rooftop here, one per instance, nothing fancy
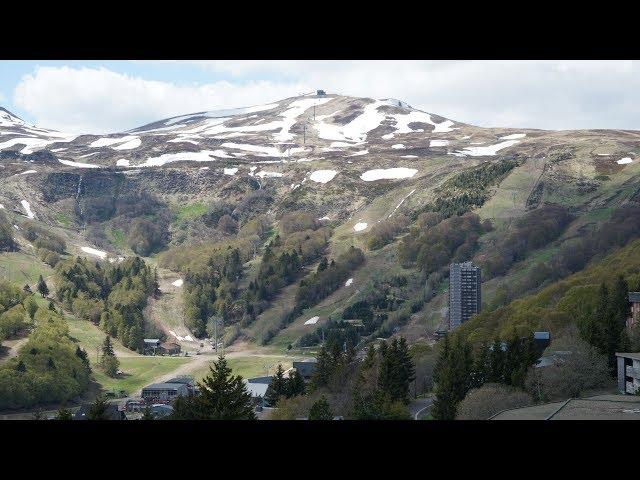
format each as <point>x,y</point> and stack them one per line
<point>164,386</point>
<point>600,407</point>
<point>634,297</point>
<point>634,355</point>
<point>256,389</point>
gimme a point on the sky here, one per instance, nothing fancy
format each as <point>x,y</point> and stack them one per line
<point>113,96</point>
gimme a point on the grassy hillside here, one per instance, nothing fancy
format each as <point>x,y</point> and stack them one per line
<point>562,303</point>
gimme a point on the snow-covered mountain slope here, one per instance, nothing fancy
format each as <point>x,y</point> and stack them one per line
<point>295,129</point>
<point>332,154</point>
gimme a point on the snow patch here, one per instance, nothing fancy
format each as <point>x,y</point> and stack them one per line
<point>438,143</point>
<point>401,202</point>
<point>264,173</point>
<point>178,283</point>
<point>27,208</point>
<point>312,321</point>
<point>513,136</point>
<point>624,161</point>
<point>230,171</point>
<point>78,164</point>
<point>95,252</point>
<point>135,143</point>
<point>361,152</point>
<point>348,282</point>
<point>26,172</point>
<point>398,146</point>
<point>123,162</point>
<point>358,227</point>
<point>201,156</point>
<point>323,176</point>
<point>388,174</point>
<point>488,150</point>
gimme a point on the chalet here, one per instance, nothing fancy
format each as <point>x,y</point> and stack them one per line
<point>112,412</point>
<point>305,369</point>
<point>542,340</point>
<point>151,345</point>
<point>257,387</point>
<point>169,348</point>
<point>164,392</point>
<point>185,380</point>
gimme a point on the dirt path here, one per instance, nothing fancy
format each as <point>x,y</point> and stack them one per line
<point>13,347</point>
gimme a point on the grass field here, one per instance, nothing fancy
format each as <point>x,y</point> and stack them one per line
<point>191,210</point>
<point>253,366</point>
<point>139,372</point>
<point>20,268</point>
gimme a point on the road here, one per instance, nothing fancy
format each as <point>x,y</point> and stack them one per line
<point>419,407</point>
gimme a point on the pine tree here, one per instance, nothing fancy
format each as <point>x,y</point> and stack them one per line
<point>107,347</point>
<point>98,409</point>
<point>147,413</point>
<point>295,384</point>
<point>321,410</point>
<point>323,264</point>
<point>42,287</point>
<point>496,362</point>
<point>370,357</point>
<point>442,359</point>
<point>407,369</point>
<point>481,367</point>
<point>454,379</point>
<point>323,369</point>
<point>32,307</point>
<point>63,413</point>
<point>223,396</point>
<point>277,388</point>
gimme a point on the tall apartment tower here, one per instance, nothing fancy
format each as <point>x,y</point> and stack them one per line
<point>464,292</point>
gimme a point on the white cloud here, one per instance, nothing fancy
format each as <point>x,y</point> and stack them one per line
<point>520,94</point>
<point>92,100</point>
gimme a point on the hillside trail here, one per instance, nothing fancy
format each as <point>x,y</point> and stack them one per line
<point>14,347</point>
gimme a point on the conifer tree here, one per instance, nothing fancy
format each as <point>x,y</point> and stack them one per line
<point>323,370</point>
<point>107,347</point>
<point>277,388</point>
<point>63,413</point>
<point>295,384</point>
<point>496,362</point>
<point>98,409</point>
<point>147,413</point>
<point>223,396</point>
<point>321,410</point>
<point>42,287</point>
<point>370,357</point>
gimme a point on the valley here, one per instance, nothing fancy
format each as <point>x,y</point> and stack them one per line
<point>277,219</point>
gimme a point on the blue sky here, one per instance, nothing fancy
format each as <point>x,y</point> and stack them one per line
<point>112,96</point>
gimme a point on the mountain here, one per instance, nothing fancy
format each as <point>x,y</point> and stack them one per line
<point>353,163</point>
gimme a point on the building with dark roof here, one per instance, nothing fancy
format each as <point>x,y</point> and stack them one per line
<point>112,412</point>
<point>542,340</point>
<point>164,392</point>
<point>600,407</point>
<point>305,369</point>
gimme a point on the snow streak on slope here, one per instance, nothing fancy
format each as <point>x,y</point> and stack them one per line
<point>388,174</point>
<point>489,150</point>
